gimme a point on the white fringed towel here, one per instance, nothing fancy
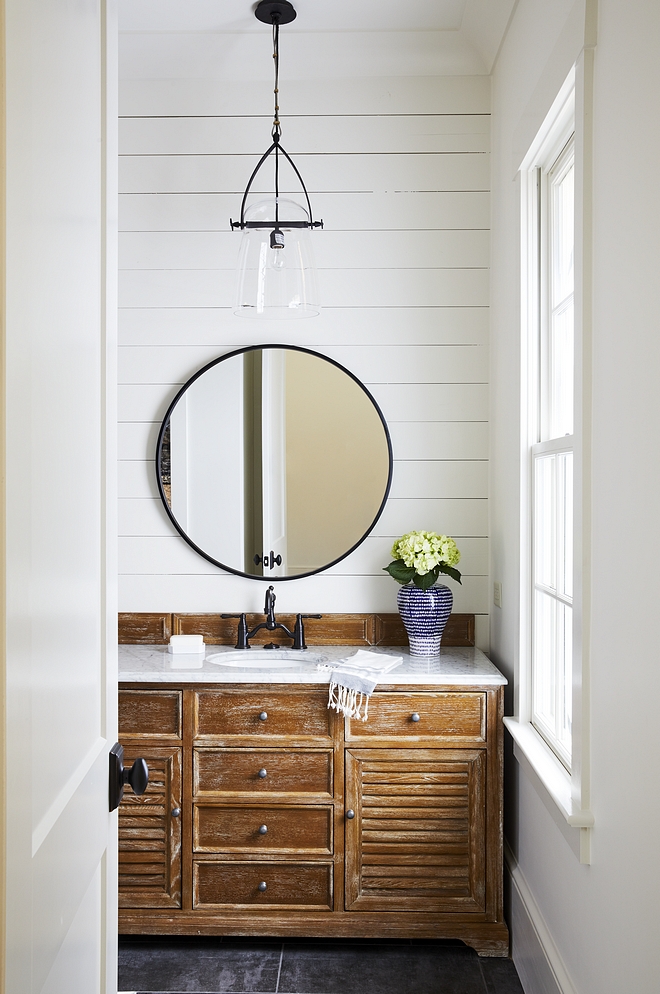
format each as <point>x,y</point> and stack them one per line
<point>349,693</point>
<point>353,680</point>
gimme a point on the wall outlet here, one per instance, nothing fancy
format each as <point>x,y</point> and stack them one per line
<point>497,594</point>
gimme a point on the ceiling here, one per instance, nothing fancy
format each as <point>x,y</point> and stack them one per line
<point>469,31</point>
<point>313,15</point>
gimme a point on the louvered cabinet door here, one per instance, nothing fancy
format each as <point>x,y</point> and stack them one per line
<point>150,835</point>
<point>417,841</point>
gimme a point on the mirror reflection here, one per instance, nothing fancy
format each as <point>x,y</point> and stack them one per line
<point>274,462</point>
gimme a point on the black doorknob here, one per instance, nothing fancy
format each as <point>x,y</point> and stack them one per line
<point>137,777</point>
<point>269,561</point>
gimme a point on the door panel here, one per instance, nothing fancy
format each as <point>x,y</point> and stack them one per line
<point>59,537</point>
<point>77,963</point>
<point>60,884</point>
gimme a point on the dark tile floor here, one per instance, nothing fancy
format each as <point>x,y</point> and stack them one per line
<point>151,965</point>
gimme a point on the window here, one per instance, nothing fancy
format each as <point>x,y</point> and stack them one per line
<point>550,729</point>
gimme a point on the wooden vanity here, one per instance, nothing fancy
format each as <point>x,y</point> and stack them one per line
<point>268,814</point>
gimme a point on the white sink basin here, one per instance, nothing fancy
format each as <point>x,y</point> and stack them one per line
<point>267,659</point>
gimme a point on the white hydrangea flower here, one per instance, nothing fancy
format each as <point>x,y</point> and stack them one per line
<point>426,550</point>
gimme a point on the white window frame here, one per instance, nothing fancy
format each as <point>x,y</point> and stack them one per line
<point>566,790</point>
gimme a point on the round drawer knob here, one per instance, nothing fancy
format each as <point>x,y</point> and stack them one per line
<point>176,812</point>
<point>263,716</point>
<point>263,886</point>
<point>414,716</point>
<point>263,829</point>
<point>263,774</point>
<point>350,814</point>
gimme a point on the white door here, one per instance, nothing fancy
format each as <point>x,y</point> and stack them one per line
<point>58,618</point>
<point>207,463</point>
<point>273,454</point>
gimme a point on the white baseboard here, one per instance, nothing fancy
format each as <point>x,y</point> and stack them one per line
<point>534,953</point>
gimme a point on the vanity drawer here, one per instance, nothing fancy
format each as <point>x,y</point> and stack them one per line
<point>232,714</point>
<point>449,716</point>
<point>149,713</point>
<point>261,771</point>
<point>237,829</point>
<point>288,885</point>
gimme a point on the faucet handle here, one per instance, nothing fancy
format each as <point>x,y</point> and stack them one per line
<point>242,635</point>
<point>299,630</point>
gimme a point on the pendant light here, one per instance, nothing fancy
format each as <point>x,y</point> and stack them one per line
<point>276,274</point>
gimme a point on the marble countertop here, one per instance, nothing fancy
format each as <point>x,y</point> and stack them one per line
<point>155,664</point>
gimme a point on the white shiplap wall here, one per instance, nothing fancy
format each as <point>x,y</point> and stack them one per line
<point>398,168</point>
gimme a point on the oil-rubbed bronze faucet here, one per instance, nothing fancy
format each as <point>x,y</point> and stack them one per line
<point>270,624</point>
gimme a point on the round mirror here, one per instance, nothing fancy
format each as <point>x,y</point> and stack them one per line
<point>274,462</point>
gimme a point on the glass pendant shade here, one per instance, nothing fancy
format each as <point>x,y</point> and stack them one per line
<point>276,273</point>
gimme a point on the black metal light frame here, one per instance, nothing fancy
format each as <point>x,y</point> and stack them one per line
<point>275,12</point>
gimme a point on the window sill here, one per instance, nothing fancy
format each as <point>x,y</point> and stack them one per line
<point>532,752</point>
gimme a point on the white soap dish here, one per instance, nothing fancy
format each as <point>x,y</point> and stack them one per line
<point>187,644</point>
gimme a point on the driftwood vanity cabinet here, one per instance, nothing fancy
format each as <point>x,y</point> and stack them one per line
<point>268,814</point>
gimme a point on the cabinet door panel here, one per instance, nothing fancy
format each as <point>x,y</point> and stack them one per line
<point>149,837</point>
<point>237,829</point>
<point>260,771</point>
<point>288,885</point>
<point>417,842</point>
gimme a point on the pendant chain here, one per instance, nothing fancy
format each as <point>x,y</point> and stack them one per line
<point>277,130</point>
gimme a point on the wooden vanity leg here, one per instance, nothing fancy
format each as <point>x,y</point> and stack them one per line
<point>187,810</point>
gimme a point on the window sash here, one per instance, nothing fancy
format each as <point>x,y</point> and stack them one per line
<point>552,594</point>
<point>551,449</point>
<point>556,345</point>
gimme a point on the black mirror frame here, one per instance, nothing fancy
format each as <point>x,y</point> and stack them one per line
<point>159,444</point>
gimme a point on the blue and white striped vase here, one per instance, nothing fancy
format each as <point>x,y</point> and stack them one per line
<point>424,614</point>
